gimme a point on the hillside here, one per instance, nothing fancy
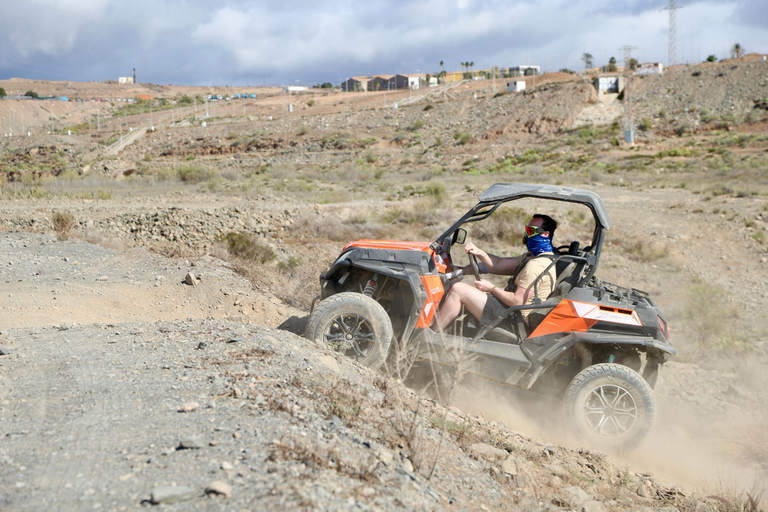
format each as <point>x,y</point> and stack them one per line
<point>286,423</point>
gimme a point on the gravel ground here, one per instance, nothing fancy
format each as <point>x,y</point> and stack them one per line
<point>223,414</point>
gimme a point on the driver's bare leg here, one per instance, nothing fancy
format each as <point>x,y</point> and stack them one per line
<point>460,293</point>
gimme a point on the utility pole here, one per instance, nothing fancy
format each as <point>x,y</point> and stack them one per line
<point>629,132</point>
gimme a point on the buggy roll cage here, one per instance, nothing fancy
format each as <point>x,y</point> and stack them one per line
<point>501,193</point>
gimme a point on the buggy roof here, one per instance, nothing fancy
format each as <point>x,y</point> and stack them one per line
<point>508,191</point>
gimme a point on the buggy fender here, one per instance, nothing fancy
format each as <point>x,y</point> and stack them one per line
<point>546,353</point>
<point>391,262</point>
<point>412,266</point>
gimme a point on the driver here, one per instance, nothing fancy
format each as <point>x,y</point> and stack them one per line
<point>487,302</point>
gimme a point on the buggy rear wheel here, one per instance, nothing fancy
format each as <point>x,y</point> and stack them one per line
<point>352,324</point>
<point>611,407</point>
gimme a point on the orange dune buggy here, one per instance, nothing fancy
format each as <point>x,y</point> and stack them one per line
<point>595,345</point>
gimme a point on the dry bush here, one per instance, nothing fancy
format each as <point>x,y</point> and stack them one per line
<point>643,249</point>
<point>504,226</point>
<point>102,239</point>
<point>194,173</point>
<point>294,281</point>
<point>331,227</point>
<point>63,224</point>
<point>230,174</point>
<point>707,316</point>
<point>246,246</point>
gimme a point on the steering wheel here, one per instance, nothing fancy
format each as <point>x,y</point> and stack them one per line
<point>473,264</point>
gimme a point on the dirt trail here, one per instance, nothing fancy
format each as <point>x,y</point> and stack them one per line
<point>605,111</point>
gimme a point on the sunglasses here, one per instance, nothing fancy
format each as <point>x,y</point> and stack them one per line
<point>534,230</point>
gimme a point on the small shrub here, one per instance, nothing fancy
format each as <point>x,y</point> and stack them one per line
<point>230,174</point>
<point>371,157</point>
<point>63,224</point>
<point>417,125</point>
<point>429,107</point>
<point>103,195</point>
<point>166,174</point>
<point>304,129</point>
<point>435,190</point>
<point>311,103</point>
<point>682,129</point>
<point>244,245</point>
<point>646,124</point>
<point>194,174</point>
<point>462,137</point>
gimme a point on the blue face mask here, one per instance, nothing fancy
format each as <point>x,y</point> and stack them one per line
<point>538,244</point>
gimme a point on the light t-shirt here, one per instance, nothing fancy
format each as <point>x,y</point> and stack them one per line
<point>532,270</point>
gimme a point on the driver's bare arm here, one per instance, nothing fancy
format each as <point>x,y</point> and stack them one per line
<point>494,264</point>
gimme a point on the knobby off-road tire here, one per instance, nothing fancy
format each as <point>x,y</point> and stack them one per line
<point>611,407</point>
<point>352,324</point>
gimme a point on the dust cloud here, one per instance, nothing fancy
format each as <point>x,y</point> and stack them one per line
<point>685,449</point>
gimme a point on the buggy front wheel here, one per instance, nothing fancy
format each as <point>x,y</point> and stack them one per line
<point>610,406</point>
<point>352,324</point>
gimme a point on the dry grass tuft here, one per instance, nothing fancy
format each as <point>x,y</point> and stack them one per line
<point>643,249</point>
<point>63,224</point>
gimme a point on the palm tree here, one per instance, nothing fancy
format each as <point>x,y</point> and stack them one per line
<point>472,65</point>
<point>441,67</point>
<point>737,51</point>
<point>587,58</point>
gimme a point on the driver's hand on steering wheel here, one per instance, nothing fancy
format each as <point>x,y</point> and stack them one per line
<point>484,285</point>
<point>471,248</point>
<point>480,254</point>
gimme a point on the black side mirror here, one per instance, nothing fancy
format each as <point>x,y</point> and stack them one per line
<point>459,236</point>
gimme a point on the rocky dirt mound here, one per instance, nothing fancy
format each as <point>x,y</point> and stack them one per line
<point>118,413</point>
<point>70,282</point>
<point>701,94</point>
<point>198,227</point>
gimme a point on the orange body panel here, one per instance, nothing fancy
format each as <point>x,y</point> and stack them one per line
<point>573,316</point>
<point>434,287</point>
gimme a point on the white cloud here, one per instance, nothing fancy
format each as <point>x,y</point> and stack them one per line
<point>178,41</point>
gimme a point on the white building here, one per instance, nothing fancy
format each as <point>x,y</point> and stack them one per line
<point>516,86</point>
<point>125,80</point>
<point>650,68</point>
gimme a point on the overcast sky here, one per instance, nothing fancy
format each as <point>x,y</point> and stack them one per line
<point>220,42</point>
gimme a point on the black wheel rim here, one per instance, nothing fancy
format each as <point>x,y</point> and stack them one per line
<point>610,410</point>
<point>350,334</point>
